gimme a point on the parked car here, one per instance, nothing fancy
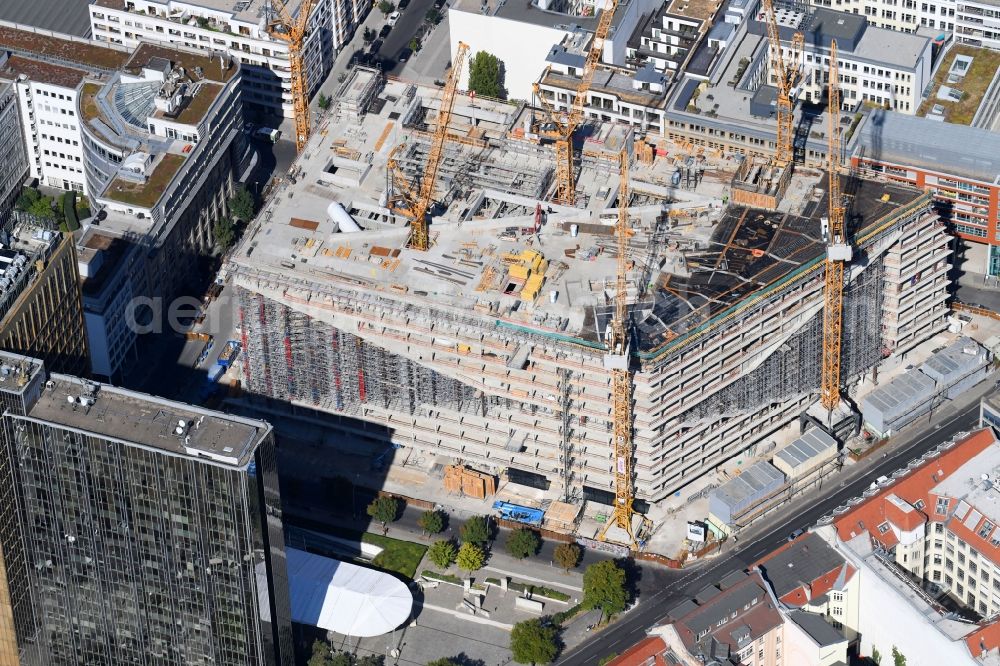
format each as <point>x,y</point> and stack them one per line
<point>393,17</point>
<point>796,534</point>
<point>375,46</point>
<point>384,32</point>
<point>403,3</point>
<point>405,54</point>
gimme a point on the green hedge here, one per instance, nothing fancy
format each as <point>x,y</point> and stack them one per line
<point>70,221</point>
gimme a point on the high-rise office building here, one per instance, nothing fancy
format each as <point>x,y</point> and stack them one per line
<point>41,306</point>
<point>151,529</point>
<point>13,158</point>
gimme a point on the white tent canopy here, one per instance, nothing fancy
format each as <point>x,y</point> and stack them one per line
<point>345,598</point>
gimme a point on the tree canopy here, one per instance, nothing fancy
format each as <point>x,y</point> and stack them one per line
<point>567,555</point>
<point>531,642</point>
<point>432,522</point>
<point>486,75</point>
<point>242,205</point>
<point>225,232</point>
<point>384,509</point>
<point>386,7</point>
<point>522,543</point>
<point>476,530</point>
<point>471,557</point>
<point>443,553</point>
<point>604,587</point>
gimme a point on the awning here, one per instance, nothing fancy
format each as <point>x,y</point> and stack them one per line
<point>343,597</point>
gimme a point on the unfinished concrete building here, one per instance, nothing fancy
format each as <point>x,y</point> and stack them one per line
<point>487,349</point>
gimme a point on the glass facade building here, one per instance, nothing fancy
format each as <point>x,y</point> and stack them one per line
<point>152,531</point>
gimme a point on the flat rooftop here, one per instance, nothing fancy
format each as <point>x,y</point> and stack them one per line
<point>144,420</point>
<point>215,69</point>
<point>967,483</point>
<point>250,11</point>
<point>71,51</point>
<point>69,17</point>
<point>42,72</point>
<point>16,372</point>
<point>526,11</point>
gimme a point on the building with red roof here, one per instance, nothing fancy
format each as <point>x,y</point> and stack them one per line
<point>925,549</point>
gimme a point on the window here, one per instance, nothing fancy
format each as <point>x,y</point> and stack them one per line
<point>939,527</point>
<point>838,596</point>
<point>942,502</point>
<point>883,528</point>
<point>985,530</point>
<point>919,505</point>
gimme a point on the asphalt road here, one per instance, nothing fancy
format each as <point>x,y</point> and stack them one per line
<point>979,296</point>
<point>652,610</point>
<point>406,27</point>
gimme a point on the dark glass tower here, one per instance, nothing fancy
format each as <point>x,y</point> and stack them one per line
<point>152,530</point>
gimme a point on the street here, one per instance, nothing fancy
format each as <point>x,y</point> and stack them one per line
<point>652,610</point>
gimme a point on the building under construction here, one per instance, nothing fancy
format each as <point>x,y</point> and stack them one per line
<point>488,349</point>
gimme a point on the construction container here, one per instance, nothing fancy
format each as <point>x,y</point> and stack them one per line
<point>574,230</point>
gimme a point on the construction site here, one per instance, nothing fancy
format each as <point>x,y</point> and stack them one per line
<point>489,348</point>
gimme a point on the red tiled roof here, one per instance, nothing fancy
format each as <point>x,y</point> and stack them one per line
<point>915,486</point>
<point>905,518</point>
<point>638,654</point>
<point>985,638</point>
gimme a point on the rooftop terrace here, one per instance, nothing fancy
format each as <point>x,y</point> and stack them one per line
<point>137,418</point>
<point>145,195</point>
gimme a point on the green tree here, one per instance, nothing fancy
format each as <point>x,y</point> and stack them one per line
<point>242,205</point>
<point>431,522</point>
<point>324,101</point>
<point>443,553</point>
<point>432,15</point>
<point>523,542</point>
<point>414,44</point>
<point>876,656</point>
<point>471,557</point>
<point>604,587</point>
<point>225,232</point>
<point>386,7</point>
<point>342,659</point>
<point>531,642</point>
<point>27,198</point>
<point>384,510</point>
<point>70,220</point>
<point>371,660</point>
<point>476,530</point>
<point>897,657</point>
<point>567,555</point>
<point>369,35</point>
<point>442,662</point>
<point>485,75</point>
<point>320,654</point>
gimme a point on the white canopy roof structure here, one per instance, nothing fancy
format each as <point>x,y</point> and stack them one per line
<point>345,598</point>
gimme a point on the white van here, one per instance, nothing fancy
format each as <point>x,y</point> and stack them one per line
<point>267,133</point>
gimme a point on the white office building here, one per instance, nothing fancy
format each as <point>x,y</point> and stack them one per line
<point>239,29</point>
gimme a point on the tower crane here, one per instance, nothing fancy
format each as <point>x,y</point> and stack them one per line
<point>838,251</point>
<point>292,30</point>
<point>618,361</point>
<point>786,73</point>
<point>417,202</point>
<point>567,123</point>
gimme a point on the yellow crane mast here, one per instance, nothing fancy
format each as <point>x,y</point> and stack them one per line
<point>838,251</point>
<point>618,361</point>
<point>566,125</point>
<point>292,30</point>
<point>418,202</point>
<point>786,73</point>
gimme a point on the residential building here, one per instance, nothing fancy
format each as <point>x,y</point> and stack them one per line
<point>41,310</point>
<point>637,98</point>
<point>976,22</point>
<point>958,163</point>
<point>738,621</point>
<point>239,30</point>
<point>925,546</point>
<point>877,65</point>
<point>522,34</point>
<point>13,157</point>
<point>904,16</point>
<point>668,36</point>
<point>153,138</point>
<point>110,580</point>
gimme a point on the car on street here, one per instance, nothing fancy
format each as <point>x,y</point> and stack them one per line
<point>375,46</point>
<point>393,17</point>
<point>405,54</point>
<point>384,32</point>
<point>796,534</point>
<point>403,4</point>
